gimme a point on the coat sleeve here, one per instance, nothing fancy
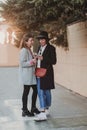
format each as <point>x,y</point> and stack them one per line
<point>53,58</point>
<point>24,62</point>
<point>50,56</point>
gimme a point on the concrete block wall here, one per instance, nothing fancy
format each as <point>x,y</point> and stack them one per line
<point>71,68</point>
<point>9,55</point>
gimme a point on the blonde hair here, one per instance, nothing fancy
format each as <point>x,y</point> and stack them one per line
<point>25,39</point>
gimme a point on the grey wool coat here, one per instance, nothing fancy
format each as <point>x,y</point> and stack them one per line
<point>26,70</point>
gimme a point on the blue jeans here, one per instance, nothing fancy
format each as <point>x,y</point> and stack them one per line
<point>44,96</point>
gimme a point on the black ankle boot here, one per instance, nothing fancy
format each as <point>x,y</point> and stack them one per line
<point>35,111</point>
<point>27,113</point>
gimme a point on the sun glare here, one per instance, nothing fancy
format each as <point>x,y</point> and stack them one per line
<point>5,35</point>
<point>2,37</point>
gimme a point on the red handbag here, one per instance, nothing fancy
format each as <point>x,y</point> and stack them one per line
<point>40,72</point>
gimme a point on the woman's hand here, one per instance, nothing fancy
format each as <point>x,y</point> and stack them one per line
<point>33,62</point>
<point>40,57</point>
<point>35,55</point>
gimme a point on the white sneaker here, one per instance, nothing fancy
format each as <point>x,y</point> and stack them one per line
<point>47,112</point>
<point>41,117</point>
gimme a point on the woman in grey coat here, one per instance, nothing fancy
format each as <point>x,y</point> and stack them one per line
<point>27,76</point>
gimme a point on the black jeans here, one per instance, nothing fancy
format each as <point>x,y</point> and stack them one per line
<point>25,96</point>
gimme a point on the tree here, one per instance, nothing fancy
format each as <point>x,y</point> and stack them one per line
<point>53,15</point>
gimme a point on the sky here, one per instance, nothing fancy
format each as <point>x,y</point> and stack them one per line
<point>2,0</point>
<point>0,17</point>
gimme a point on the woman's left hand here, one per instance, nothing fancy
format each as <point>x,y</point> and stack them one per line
<point>33,62</point>
<point>40,57</point>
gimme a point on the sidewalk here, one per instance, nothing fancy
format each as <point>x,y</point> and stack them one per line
<point>68,111</point>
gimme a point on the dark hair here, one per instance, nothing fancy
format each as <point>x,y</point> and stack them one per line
<point>25,39</point>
